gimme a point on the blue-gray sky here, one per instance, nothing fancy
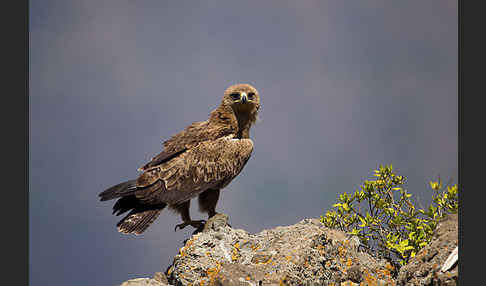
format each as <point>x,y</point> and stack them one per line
<point>345,86</point>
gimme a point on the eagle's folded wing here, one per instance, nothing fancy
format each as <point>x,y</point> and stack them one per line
<point>191,136</point>
<point>209,164</point>
<point>162,157</point>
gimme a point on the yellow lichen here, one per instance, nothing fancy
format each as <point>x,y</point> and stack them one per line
<point>386,272</point>
<point>182,250</point>
<point>261,259</point>
<point>370,280</point>
<point>321,250</point>
<point>282,281</point>
<point>235,253</point>
<point>328,264</point>
<point>306,264</point>
<point>349,262</point>
<point>213,272</point>
<point>342,251</point>
<point>348,283</point>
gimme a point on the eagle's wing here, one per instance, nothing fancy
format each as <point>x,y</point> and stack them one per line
<point>209,164</point>
<point>192,135</point>
<point>162,157</point>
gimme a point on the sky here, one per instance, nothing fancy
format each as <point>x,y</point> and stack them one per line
<point>345,86</point>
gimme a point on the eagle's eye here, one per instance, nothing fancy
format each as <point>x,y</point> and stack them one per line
<point>235,96</point>
<point>251,95</point>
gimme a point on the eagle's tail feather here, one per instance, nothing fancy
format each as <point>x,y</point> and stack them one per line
<point>139,219</point>
<point>120,190</point>
<point>125,204</point>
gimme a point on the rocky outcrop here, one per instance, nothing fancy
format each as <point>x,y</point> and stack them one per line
<point>306,253</point>
<point>159,279</point>
<point>425,267</point>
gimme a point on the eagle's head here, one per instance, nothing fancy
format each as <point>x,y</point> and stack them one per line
<point>243,98</point>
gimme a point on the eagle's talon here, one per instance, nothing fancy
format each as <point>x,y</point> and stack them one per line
<point>197,224</point>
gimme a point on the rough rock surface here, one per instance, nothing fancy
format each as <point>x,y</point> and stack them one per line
<point>159,280</point>
<point>306,253</point>
<point>425,267</point>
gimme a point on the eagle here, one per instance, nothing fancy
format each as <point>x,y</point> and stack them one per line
<point>198,162</point>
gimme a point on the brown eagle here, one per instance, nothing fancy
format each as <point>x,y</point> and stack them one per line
<point>198,161</point>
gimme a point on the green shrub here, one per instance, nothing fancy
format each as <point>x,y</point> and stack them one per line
<point>382,215</point>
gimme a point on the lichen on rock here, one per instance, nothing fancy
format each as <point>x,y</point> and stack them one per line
<point>306,253</point>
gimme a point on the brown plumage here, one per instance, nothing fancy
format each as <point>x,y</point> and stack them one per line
<point>198,161</point>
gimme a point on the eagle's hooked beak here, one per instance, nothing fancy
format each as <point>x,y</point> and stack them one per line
<point>244,97</point>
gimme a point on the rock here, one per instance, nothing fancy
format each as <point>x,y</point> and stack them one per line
<point>425,267</point>
<point>306,253</point>
<point>216,223</point>
<point>159,279</point>
<point>143,282</point>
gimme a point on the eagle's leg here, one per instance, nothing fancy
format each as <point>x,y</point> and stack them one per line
<point>183,209</point>
<point>207,202</point>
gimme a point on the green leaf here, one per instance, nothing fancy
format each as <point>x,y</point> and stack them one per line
<point>435,185</point>
<point>346,207</point>
<point>355,231</point>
